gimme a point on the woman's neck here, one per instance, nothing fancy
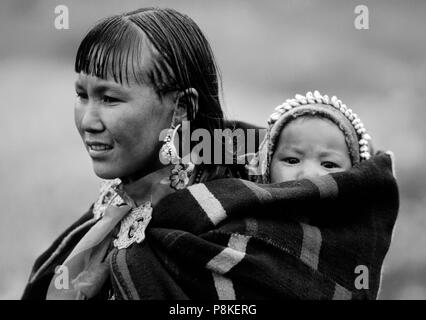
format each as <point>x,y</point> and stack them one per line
<point>150,187</point>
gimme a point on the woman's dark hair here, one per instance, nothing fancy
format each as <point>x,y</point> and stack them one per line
<point>181,58</point>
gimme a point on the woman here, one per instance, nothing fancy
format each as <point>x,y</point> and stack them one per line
<point>138,74</point>
<point>176,231</point>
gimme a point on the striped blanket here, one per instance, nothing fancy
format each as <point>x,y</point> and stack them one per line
<point>323,238</point>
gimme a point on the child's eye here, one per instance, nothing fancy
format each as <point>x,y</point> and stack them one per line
<point>291,160</point>
<point>330,165</point>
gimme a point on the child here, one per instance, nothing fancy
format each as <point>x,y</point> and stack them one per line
<point>310,136</point>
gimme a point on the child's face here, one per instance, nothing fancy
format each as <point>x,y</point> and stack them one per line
<point>307,148</point>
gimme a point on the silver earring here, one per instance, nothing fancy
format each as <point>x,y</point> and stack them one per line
<point>180,174</point>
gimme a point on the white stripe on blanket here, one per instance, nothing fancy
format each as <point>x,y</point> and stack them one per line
<point>341,293</point>
<point>326,185</point>
<point>262,194</point>
<point>225,261</point>
<point>311,245</point>
<point>208,202</point>
<point>230,256</point>
<point>224,287</point>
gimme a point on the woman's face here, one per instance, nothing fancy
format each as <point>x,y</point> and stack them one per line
<point>120,125</point>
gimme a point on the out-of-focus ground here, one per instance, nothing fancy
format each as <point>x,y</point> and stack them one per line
<point>267,52</point>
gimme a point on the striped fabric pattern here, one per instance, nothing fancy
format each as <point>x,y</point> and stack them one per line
<point>311,245</point>
<point>233,239</point>
<point>211,206</point>
<point>222,263</point>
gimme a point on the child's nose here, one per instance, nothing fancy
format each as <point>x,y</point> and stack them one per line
<point>309,171</point>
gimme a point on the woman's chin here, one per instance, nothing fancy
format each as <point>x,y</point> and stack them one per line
<point>106,172</point>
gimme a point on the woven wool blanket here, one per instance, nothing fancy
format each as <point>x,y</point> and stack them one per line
<point>323,238</point>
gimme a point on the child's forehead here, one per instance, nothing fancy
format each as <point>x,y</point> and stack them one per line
<point>313,128</point>
<point>309,121</point>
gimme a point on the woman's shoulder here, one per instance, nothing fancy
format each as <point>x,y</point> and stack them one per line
<point>67,239</point>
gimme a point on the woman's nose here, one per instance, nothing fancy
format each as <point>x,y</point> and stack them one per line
<point>91,120</point>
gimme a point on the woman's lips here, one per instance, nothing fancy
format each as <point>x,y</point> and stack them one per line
<point>97,149</point>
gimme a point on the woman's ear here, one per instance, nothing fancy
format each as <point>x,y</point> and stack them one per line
<point>186,106</point>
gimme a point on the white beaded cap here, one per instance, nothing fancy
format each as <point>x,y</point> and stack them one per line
<point>317,98</point>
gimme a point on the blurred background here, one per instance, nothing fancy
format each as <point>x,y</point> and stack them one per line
<point>267,51</point>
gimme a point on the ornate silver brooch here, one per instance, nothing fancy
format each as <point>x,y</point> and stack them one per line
<point>133,225</point>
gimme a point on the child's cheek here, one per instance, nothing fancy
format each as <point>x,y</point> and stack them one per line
<point>277,172</point>
<point>280,172</point>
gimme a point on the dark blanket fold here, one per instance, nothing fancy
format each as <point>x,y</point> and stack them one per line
<point>234,239</point>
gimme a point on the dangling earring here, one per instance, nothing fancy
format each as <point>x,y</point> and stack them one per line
<point>181,172</point>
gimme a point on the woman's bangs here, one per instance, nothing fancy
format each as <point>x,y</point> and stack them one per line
<point>112,51</point>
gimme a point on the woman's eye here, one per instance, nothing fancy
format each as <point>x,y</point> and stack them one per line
<point>82,95</point>
<point>108,99</point>
<point>291,160</point>
<point>330,165</point>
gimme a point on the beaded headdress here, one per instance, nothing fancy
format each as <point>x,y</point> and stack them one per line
<point>332,108</point>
